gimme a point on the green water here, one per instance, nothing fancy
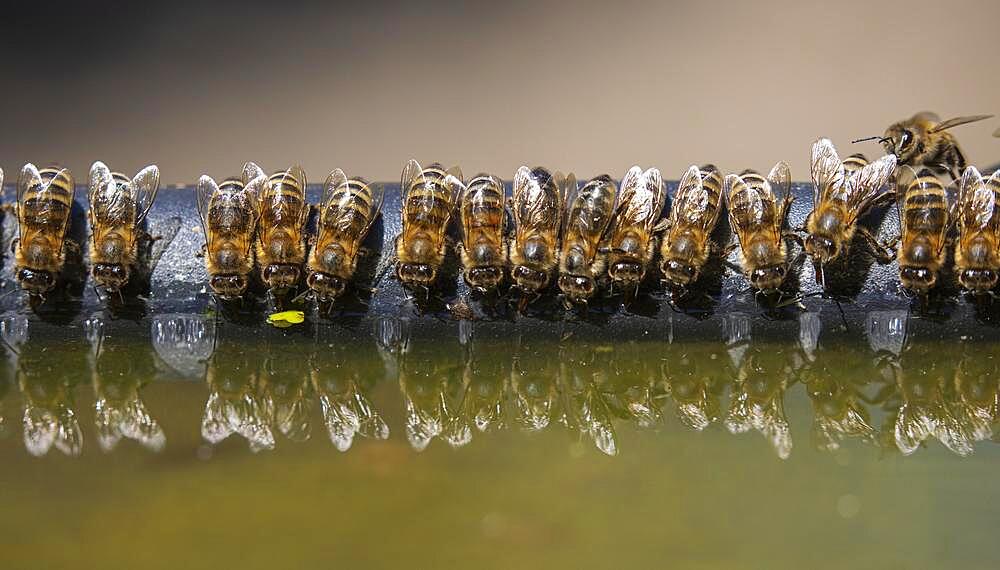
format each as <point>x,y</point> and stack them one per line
<point>504,453</point>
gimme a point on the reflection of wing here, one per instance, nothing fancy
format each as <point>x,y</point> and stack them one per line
<point>691,201</point>
<point>866,184</point>
<point>145,185</point>
<point>206,189</point>
<point>827,172</point>
<point>976,202</point>
<point>959,121</point>
<point>641,199</point>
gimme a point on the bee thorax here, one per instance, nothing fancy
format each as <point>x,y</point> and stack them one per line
<point>829,223</point>
<point>535,250</point>
<point>420,248</point>
<point>629,245</point>
<point>575,259</point>
<point>112,248</point>
<point>332,256</point>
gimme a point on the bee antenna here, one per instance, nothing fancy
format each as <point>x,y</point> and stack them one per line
<point>866,139</point>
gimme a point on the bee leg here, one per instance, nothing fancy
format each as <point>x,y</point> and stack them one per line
<point>884,254</point>
<point>734,266</point>
<point>794,237</point>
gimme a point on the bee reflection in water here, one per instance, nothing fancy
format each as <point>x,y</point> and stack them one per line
<point>236,403</point>
<point>47,390</point>
<point>344,395</point>
<point>758,396</point>
<point>118,374</point>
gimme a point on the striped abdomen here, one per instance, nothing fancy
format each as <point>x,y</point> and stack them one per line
<point>482,212</point>
<point>854,163</point>
<point>344,222</point>
<point>589,216</point>
<point>425,216</point>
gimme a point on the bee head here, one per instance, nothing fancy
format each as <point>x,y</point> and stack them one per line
<point>530,279</point>
<point>901,141</point>
<point>111,276</point>
<point>821,249</point>
<point>36,282</point>
<point>416,273</point>
<point>577,287</point>
<point>917,279</point>
<point>678,272</point>
<point>326,286</point>
<point>228,286</point>
<point>978,280</point>
<point>626,271</point>
<point>768,279</point>
<point>484,277</point>
<point>280,275</point>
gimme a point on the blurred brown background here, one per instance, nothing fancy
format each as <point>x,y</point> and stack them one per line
<point>588,87</point>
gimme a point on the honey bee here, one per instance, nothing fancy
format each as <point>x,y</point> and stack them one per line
<point>44,202</point>
<point>844,191</point>
<point>692,219</point>
<point>758,207</point>
<point>581,261</point>
<point>281,245</point>
<point>538,202</point>
<point>429,196</point>
<point>632,245</point>
<point>923,141</point>
<point>924,220</point>
<point>229,215</point>
<point>482,250</point>
<point>977,257</point>
<point>117,208</point>
<point>347,211</point>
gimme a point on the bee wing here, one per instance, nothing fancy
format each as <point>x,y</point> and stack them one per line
<point>251,194</point>
<point>31,178</point>
<point>378,196</point>
<point>250,171</point>
<point>568,191</point>
<point>929,116</point>
<point>779,184</point>
<point>472,199</point>
<point>145,185</point>
<point>455,185</point>
<point>410,173</point>
<point>203,196</point>
<point>335,180</point>
<point>99,179</point>
<point>690,200</point>
<point>976,201</point>
<point>827,171</point>
<point>959,121</point>
<point>866,184</point>
<point>743,216</point>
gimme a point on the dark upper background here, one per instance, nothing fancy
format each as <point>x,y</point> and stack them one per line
<point>588,87</point>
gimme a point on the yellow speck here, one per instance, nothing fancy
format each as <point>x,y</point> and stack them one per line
<point>286,319</point>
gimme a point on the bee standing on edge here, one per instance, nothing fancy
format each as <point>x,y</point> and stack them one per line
<point>281,245</point>
<point>538,202</point>
<point>229,215</point>
<point>482,249</point>
<point>581,261</point>
<point>923,141</point>
<point>924,221</point>
<point>117,208</point>
<point>347,211</point>
<point>977,257</point>
<point>693,215</point>
<point>44,203</point>
<point>632,246</point>
<point>758,207</point>
<point>844,191</point>
<point>429,196</point>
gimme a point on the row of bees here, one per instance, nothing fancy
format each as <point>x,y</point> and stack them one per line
<point>576,236</point>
